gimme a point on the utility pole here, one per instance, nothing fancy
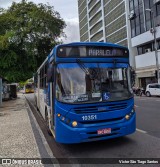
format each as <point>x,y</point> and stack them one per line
<point>0,92</point>
<point>155,42</point>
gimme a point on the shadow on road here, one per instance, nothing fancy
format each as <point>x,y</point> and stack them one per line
<point>98,147</point>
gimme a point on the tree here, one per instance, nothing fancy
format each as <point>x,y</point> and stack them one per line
<point>28,32</point>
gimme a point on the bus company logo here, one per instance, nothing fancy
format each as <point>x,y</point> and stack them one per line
<point>6,162</point>
<point>102,109</point>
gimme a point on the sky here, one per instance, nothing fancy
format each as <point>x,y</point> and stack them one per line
<point>68,9</point>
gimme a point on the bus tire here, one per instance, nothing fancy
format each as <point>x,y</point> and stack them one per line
<point>47,123</point>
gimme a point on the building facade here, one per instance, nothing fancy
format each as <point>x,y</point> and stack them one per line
<point>104,21</point>
<point>128,23</point>
<point>143,16</point>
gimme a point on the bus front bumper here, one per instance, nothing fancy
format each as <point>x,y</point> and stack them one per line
<point>67,134</point>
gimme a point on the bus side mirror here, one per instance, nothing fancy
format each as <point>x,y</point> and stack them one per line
<point>50,73</point>
<point>133,77</point>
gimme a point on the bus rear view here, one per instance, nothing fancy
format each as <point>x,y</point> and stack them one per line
<point>92,97</point>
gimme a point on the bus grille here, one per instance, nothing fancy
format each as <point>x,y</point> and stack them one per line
<point>104,108</point>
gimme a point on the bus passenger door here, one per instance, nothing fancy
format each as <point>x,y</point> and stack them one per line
<point>38,92</point>
<point>50,80</point>
<point>52,104</point>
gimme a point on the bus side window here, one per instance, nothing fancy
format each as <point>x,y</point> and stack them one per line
<point>45,76</point>
<point>50,73</point>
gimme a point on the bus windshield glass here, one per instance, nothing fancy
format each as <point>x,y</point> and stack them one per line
<point>92,82</point>
<point>29,86</point>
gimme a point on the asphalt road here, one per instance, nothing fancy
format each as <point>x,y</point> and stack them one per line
<point>144,143</point>
<point>148,114</point>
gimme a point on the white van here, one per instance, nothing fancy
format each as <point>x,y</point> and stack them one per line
<point>153,89</point>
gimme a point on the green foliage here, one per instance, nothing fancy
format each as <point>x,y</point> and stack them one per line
<point>28,32</point>
<point>22,83</point>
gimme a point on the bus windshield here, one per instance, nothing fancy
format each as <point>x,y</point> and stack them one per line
<point>92,82</point>
<point>29,86</point>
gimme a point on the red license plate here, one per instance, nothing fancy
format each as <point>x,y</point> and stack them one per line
<point>104,131</point>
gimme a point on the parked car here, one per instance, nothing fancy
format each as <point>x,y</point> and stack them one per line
<point>153,89</point>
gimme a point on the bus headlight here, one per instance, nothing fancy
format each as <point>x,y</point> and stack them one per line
<point>58,115</point>
<point>128,116</point>
<point>74,123</point>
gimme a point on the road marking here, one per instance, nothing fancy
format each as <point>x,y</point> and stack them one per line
<point>142,131</point>
<point>157,100</point>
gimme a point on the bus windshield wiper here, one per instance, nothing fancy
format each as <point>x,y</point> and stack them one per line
<point>92,73</point>
<point>83,67</point>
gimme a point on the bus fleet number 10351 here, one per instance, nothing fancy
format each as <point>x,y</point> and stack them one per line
<point>89,117</point>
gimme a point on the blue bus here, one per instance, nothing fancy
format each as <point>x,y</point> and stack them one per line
<point>84,92</point>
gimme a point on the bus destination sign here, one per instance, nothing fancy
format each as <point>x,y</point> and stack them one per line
<point>105,52</point>
<point>90,51</point>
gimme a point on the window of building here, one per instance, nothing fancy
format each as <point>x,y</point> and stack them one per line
<point>140,50</point>
<point>148,47</point>
<point>145,48</point>
<point>135,3</point>
<point>148,24</point>
<point>151,3</point>
<point>148,20</point>
<point>131,5</point>
<point>133,30</point>
<point>158,44</point>
<point>137,23</point>
<point>142,28</point>
<point>137,26</point>
<point>158,9</point>
<point>148,4</point>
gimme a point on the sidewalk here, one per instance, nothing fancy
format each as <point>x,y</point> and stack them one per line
<point>17,139</point>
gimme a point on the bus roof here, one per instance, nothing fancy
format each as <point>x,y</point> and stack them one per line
<point>52,54</point>
<point>93,44</point>
<point>86,44</point>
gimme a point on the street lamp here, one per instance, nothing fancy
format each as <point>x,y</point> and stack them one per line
<point>155,43</point>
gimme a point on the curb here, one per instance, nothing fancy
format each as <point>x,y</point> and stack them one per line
<point>45,143</point>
